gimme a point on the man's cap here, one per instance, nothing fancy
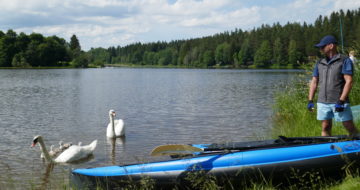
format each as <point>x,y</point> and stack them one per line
<point>329,39</point>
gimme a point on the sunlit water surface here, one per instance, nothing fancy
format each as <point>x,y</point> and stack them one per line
<point>159,106</point>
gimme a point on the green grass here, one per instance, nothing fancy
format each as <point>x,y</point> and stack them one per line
<point>349,183</point>
<point>291,118</point>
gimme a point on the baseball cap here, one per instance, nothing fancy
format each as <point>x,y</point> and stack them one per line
<point>329,39</point>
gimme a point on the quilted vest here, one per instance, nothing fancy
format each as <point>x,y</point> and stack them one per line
<point>331,80</point>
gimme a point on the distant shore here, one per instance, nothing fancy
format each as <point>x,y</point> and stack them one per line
<point>128,65</point>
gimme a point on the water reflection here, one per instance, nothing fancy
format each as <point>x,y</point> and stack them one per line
<point>113,142</point>
<point>81,161</point>
<point>46,177</point>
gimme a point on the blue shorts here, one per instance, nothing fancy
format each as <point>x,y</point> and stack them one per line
<point>327,112</point>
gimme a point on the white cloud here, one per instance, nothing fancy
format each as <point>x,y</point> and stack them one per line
<point>346,4</point>
<point>120,22</point>
<point>301,4</point>
<point>238,18</point>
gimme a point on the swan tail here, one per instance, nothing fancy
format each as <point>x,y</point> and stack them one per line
<point>92,145</point>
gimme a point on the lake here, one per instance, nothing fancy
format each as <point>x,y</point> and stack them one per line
<point>158,106</point>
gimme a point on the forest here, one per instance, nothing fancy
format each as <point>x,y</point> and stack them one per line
<point>275,46</point>
<point>269,46</point>
<point>35,50</point>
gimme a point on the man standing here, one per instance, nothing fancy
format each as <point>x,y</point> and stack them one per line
<point>333,75</point>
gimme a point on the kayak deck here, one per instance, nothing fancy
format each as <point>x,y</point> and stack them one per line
<point>268,157</point>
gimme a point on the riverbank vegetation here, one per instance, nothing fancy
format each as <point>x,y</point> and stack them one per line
<point>277,46</point>
<point>292,119</point>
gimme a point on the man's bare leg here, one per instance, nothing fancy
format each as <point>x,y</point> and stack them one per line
<point>326,127</point>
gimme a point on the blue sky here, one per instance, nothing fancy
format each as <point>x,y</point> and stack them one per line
<point>105,23</point>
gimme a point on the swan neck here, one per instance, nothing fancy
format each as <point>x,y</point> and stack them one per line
<point>44,150</point>
<point>112,120</point>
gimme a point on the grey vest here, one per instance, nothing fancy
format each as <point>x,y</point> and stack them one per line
<point>331,80</point>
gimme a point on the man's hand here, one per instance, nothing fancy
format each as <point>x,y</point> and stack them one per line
<point>310,105</point>
<point>339,106</point>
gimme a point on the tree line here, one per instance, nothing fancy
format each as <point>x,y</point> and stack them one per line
<point>35,50</point>
<point>275,46</point>
<point>267,46</point>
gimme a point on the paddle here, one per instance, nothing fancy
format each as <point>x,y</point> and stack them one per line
<point>174,150</point>
<point>184,150</point>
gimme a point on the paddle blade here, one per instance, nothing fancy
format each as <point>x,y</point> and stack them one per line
<point>174,149</point>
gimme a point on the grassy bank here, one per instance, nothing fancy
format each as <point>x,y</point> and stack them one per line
<point>291,118</point>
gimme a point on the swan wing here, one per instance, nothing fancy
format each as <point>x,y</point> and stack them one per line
<point>109,131</point>
<point>119,127</point>
<point>76,152</point>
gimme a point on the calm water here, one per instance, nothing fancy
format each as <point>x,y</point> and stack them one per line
<point>159,106</point>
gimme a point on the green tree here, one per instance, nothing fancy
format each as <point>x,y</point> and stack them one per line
<point>136,57</point>
<point>99,56</point>
<point>223,54</point>
<point>278,52</point>
<point>8,48</point>
<point>74,43</point>
<point>81,61</point>
<point>75,47</point>
<point>192,57</point>
<point>292,52</point>
<point>32,55</point>
<point>51,52</point>
<point>208,58</point>
<point>36,38</point>
<point>19,61</point>
<point>22,42</point>
<point>184,49</point>
<point>263,55</point>
<point>165,57</point>
<point>244,53</point>
<point>150,58</point>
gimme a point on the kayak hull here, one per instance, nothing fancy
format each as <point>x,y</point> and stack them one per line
<point>277,163</point>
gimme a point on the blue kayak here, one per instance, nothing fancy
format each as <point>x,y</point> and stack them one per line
<point>233,161</point>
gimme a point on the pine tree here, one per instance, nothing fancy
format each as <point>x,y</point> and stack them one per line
<point>263,55</point>
<point>244,53</point>
<point>74,43</point>
<point>278,52</point>
<point>292,52</point>
<point>223,54</point>
<point>75,46</point>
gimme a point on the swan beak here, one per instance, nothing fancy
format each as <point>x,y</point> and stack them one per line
<point>36,140</point>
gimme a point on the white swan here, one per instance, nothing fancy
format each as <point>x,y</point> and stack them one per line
<point>63,146</point>
<point>51,152</point>
<point>71,154</point>
<point>56,151</point>
<point>116,127</point>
